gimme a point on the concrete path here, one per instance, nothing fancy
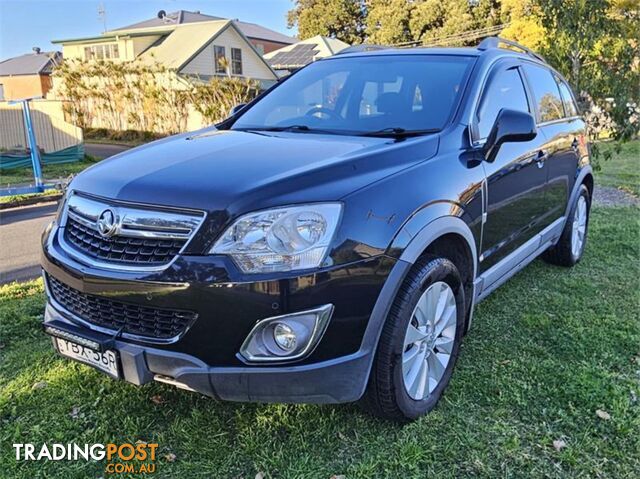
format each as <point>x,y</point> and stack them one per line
<point>20,230</point>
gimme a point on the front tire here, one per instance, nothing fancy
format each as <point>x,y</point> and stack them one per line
<point>419,343</point>
<point>570,247</point>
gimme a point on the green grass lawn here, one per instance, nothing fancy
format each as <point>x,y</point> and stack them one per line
<point>49,172</point>
<point>546,351</point>
<point>623,170</point>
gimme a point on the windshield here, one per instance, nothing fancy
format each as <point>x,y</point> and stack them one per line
<point>364,95</point>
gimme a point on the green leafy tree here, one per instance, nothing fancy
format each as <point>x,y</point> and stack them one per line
<point>341,19</point>
<point>487,13</point>
<point>524,23</point>
<point>574,27</point>
<point>594,43</point>
<point>387,21</point>
<point>432,19</point>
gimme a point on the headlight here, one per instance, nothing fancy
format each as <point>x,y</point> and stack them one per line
<point>281,239</point>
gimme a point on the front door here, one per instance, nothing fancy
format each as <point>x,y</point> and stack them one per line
<point>516,180</point>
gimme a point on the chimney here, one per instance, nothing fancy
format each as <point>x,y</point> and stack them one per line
<point>36,50</point>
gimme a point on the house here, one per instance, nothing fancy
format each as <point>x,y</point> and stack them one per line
<point>190,43</point>
<point>27,75</point>
<point>291,57</point>
<point>263,39</point>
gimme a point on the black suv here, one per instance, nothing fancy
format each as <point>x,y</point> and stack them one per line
<point>328,241</point>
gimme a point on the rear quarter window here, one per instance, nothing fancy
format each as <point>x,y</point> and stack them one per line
<point>570,107</point>
<point>546,93</point>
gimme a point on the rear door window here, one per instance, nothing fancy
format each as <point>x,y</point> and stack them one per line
<point>505,90</point>
<point>546,93</point>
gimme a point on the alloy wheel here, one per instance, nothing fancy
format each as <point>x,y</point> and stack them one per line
<point>579,227</point>
<point>429,340</point>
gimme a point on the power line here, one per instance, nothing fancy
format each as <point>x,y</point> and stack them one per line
<point>457,37</point>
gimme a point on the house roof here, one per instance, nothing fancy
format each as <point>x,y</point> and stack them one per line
<point>30,64</point>
<point>181,17</point>
<point>304,52</point>
<point>174,50</point>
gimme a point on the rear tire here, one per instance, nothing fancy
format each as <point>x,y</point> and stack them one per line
<point>418,349</point>
<point>570,247</point>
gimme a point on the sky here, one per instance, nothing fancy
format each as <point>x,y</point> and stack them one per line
<point>25,24</point>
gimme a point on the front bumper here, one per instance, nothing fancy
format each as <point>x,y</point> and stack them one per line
<point>205,358</point>
<point>333,381</point>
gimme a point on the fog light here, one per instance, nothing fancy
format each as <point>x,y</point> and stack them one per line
<point>288,337</point>
<point>285,337</point>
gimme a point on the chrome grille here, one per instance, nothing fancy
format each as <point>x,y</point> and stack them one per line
<point>145,322</point>
<point>115,234</point>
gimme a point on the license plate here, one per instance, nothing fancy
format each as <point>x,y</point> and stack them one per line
<point>106,362</point>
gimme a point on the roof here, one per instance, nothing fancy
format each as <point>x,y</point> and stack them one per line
<point>30,64</point>
<point>181,17</point>
<point>176,18</point>
<point>304,52</point>
<point>457,51</point>
<point>174,50</point>
<point>490,53</point>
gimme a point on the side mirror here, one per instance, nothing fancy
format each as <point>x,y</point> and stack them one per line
<point>237,108</point>
<point>510,126</point>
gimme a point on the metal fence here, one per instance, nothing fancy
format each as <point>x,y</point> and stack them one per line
<point>52,132</point>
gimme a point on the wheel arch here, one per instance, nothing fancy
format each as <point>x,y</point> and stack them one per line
<point>451,238</point>
<point>583,177</point>
<point>439,236</point>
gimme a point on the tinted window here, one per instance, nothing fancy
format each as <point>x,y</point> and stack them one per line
<point>570,108</point>
<point>365,94</point>
<point>505,90</point>
<point>545,91</point>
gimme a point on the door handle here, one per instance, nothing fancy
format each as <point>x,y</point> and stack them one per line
<point>541,157</point>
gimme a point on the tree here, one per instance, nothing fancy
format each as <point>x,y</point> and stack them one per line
<point>341,19</point>
<point>432,19</point>
<point>574,29</point>
<point>524,23</point>
<point>594,43</point>
<point>487,13</point>
<point>387,21</point>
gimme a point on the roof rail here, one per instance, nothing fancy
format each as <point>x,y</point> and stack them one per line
<point>362,48</point>
<point>495,42</point>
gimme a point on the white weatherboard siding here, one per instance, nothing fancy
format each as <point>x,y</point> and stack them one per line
<point>252,65</point>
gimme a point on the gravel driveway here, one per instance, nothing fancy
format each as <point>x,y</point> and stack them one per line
<point>609,196</point>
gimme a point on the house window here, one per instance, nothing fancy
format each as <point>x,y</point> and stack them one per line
<point>260,48</point>
<point>236,61</point>
<point>220,59</point>
<point>100,52</point>
<point>1,92</point>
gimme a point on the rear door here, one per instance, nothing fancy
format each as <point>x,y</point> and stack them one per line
<point>516,180</point>
<point>563,130</point>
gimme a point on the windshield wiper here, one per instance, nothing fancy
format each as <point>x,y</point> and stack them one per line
<point>396,132</point>
<point>280,128</point>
